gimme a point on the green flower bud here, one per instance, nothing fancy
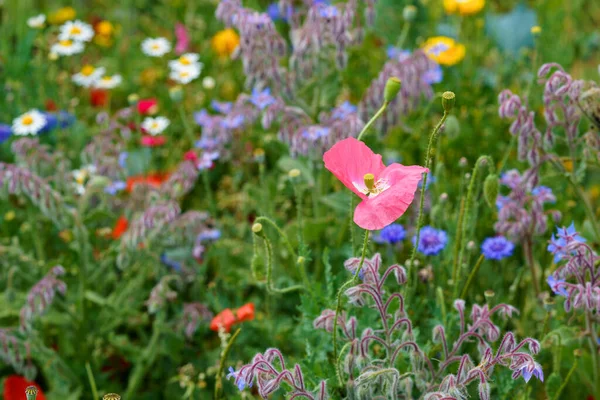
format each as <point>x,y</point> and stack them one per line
<point>490,190</point>
<point>176,93</point>
<point>409,13</point>
<point>98,181</point>
<point>448,99</point>
<point>132,99</point>
<point>257,228</point>
<point>392,87</point>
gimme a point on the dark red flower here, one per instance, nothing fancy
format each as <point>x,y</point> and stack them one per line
<point>147,106</point>
<point>51,105</point>
<point>15,385</point>
<point>98,97</point>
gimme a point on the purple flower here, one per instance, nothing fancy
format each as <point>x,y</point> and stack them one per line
<point>315,132</point>
<point>123,159</point>
<point>430,179</point>
<point>51,123</point>
<point>206,161</point>
<point>497,248</point>
<point>328,12</point>
<point>232,122</point>
<point>239,379</point>
<point>529,370</point>
<point>343,111</point>
<point>566,236</point>
<point>5,132</point>
<point>434,75</point>
<point>209,234</point>
<point>203,118</point>
<point>206,143</point>
<point>221,107</point>
<point>431,241</point>
<point>115,187</point>
<point>555,285</point>
<point>262,99</point>
<point>397,54</point>
<point>391,234</point>
<point>544,194</point>
<point>170,263</point>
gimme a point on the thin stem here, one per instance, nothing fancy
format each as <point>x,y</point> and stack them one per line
<point>372,120</point>
<point>270,287</point>
<point>428,158</point>
<point>219,379</point>
<point>509,150</point>
<point>346,285</point>
<point>92,381</point>
<point>186,126</point>
<point>471,276</point>
<point>528,250</point>
<point>592,341</point>
<point>279,231</point>
<point>209,193</point>
<point>403,35</point>
<point>566,380</point>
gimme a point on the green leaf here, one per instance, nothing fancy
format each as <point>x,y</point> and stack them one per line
<point>337,201</point>
<point>553,383</point>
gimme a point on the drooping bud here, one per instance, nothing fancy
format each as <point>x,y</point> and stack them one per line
<point>294,173</point>
<point>409,13</point>
<point>369,181</point>
<point>392,88</point>
<point>448,99</point>
<point>490,190</point>
<point>257,228</point>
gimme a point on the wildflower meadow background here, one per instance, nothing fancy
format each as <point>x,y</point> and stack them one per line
<point>299,199</point>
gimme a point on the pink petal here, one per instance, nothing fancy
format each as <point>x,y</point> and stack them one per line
<point>349,160</point>
<point>183,39</point>
<point>153,141</point>
<point>380,211</point>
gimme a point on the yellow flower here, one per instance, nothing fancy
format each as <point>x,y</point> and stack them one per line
<point>444,50</point>
<point>62,15</point>
<point>463,7</point>
<point>104,28</point>
<point>225,42</point>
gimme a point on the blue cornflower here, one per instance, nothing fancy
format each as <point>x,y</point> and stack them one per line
<point>221,107</point>
<point>262,99</point>
<point>232,122</point>
<point>564,237</point>
<point>5,132</point>
<point>170,263</point>
<point>528,371</point>
<point>343,110</point>
<point>65,119</point>
<point>51,123</point>
<point>391,234</point>
<point>497,248</point>
<point>554,285</point>
<point>239,380</point>
<point>431,241</point>
<point>123,159</point>
<point>115,187</point>
<point>209,234</point>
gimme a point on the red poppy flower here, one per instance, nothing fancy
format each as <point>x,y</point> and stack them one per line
<point>153,141</point>
<point>191,156</point>
<point>98,97</point>
<point>225,318</point>
<point>120,227</point>
<point>51,105</point>
<point>15,385</point>
<point>147,106</point>
<point>154,180</point>
<point>245,312</point>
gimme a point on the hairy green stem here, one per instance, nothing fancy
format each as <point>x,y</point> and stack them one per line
<point>566,380</point>
<point>373,119</point>
<point>224,354</point>
<point>270,287</point>
<point>471,276</point>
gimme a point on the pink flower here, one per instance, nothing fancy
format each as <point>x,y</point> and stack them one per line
<point>386,192</point>
<point>183,39</point>
<point>153,141</point>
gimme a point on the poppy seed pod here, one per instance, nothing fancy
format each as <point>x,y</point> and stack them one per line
<point>448,99</point>
<point>392,88</point>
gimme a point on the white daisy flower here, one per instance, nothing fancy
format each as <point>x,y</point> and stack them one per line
<point>76,30</point>
<point>155,126</point>
<point>88,76</point>
<point>156,47</point>
<point>37,22</point>
<point>185,61</point>
<point>109,82</point>
<point>66,48</point>
<point>186,75</point>
<point>29,123</point>
<point>209,83</point>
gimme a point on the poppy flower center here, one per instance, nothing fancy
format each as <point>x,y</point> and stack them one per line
<point>372,187</point>
<point>87,70</point>
<point>27,120</point>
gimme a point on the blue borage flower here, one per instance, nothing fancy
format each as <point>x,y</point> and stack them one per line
<point>556,286</point>
<point>529,370</point>
<point>431,76</point>
<point>123,159</point>
<point>206,143</point>
<point>262,99</point>
<point>115,187</point>
<point>221,107</point>
<point>343,111</point>
<point>209,235</point>
<point>430,179</point>
<point>431,241</point>
<point>497,248</point>
<point>238,378</point>
<point>544,194</point>
<point>391,234</point>
<point>564,237</point>
<point>170,263</point>
<point>232,122</point>
<point>315,132</point>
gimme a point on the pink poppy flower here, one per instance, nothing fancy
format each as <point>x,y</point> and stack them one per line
<point>386,192</point>
<point>183,39</point>
<point>153,141</point>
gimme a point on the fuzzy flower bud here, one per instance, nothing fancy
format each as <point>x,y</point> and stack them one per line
<point>257,228</point>
<point>490,189</point>
<point>409,13</point>
<point>392,88</point>
<point>448,99</point>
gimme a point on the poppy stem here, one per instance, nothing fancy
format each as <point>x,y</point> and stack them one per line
<point>92,380</point>
<point>224,354</point>
<point>471,276</point>
<point>373,119</point>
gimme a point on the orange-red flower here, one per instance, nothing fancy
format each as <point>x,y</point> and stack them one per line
<point>154,180</point>
<point>15,385</point>
<point>225,318</point>
<point>51,105</point>
<point>98,97</point>
<point>120,227</point>
<point>245,312</point>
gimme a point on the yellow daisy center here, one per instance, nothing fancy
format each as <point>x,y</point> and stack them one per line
<point>75,30</point>
<point>87,70</point>
<point>154,125</point>
<point>65,43</point>
<point>155,46</point>
<point>184,74</point>
<point>183,60</point>
<point>27,120</point>
<point>107,79</point>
